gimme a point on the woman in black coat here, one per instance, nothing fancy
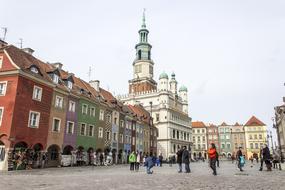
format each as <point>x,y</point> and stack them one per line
<point>266,157</point>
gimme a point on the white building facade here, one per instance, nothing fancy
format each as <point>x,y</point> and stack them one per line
<point>167,105</point>
<point>200,141</point>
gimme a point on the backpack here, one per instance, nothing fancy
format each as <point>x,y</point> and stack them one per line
<point>242,161</point>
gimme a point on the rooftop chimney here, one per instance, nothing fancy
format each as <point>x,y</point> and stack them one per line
<point>58,65</point>
<point>3,43</point>
<point>95,84</point>
<point>28,50</point>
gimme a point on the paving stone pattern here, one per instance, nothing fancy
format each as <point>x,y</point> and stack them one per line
<point>119,177</point>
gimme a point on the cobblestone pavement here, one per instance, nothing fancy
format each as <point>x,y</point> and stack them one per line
<point>119,177</point>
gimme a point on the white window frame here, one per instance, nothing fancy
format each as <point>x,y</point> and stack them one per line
<point>84,129</point>
<point>55,78</point>
<point>34,70</point>
<point>93,128</point>
<point>108,135</point>
<point>60,97</point>
<point>5,87</point>
<point>40,94</point>
<point>71,108</point>
<point>1,61</point>
<point>101,116</point>
<point>67,127</point>
<point>2,114</point>
<point>37,121</point>
<point>53,119</point>
<point>122,123</point>
<point>109,118</point>
<point>93,114</point>
<point>100,132</point>
<point>69,84</point>
<point>84,113</point>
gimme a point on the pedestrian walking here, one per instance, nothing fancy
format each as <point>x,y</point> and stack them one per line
<point>266,157</point>
<point>154,159</point>
<point>138,161</point>
<point>149,164</point>
<point>132,160</point>
<point>160,159</point>
<point>179,160</point>
<point>186,159</point>
<point>213,158</point>
<point>240,159</point>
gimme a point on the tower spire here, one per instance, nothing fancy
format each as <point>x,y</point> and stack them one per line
<point>143,19</point>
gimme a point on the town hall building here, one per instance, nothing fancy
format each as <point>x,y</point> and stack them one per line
<point>167,104</point>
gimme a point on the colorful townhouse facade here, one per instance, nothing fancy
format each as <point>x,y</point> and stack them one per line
<point>255,136</point>
<point>61,114</point>
<point>238,138</point>
<point>200,140</point>
<point>225,141</point>
<point>213,136</point>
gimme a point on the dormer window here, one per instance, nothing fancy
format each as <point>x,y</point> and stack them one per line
<point>69,84</point>
<point>34,70</point>
<point>55,78</point>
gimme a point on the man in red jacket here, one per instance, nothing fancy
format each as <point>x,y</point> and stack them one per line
<point>213,157</point>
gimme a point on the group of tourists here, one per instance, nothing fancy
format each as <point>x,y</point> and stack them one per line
<point>135,160</point>
<point>267,159</point>
<point>28,159</point>
<point>183,159</point>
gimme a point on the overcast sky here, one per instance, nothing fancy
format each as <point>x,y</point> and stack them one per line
<point>230,54</point>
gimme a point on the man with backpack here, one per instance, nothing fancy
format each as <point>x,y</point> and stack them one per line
<point>240,159</point>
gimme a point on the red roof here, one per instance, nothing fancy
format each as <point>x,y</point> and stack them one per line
<point>253,121</point>
<point>198,124</point>
<point>141,113</point>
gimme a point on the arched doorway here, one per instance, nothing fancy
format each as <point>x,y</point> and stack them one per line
<point>194,155</point>
<point>53,155</point>
<point>38,147</point>
<point>21,146</point>
<point>99,150</point>
<point>229,155</point>
<point>67,157</point>
<point>67,150</point>
<point>37,155</point>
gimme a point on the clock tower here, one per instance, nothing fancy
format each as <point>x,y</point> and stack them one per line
<point>143,65</point>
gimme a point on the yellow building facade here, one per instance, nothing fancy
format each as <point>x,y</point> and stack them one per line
<point>255,136</point>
